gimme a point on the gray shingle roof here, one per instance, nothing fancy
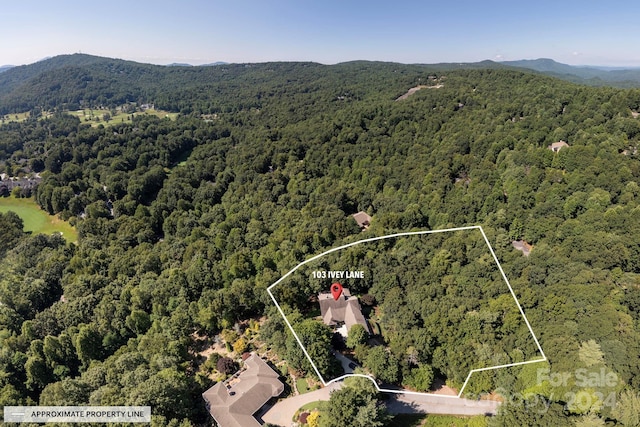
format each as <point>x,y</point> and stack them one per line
<point>234,405</point>
<point>345,309</point>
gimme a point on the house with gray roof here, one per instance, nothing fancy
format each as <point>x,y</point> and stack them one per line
<point>343,312</point>
<point>232,403</point>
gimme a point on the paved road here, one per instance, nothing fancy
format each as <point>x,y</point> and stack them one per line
<point>282,412</point>
<point>434,404</point>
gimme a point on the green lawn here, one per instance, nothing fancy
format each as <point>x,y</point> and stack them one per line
<point>302,385</point>
<point>36,220</point>
<point>310,406</point>
<point>424,420</point>
<point>416,420</point>
<point>95,117</point>
<point>407,420</point>
<point>19,117</point>
<point>453,421</point>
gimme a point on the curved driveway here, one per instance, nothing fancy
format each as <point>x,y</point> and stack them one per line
<point>282,413</point>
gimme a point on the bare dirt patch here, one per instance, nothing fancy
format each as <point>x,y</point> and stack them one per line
<point>417,88</point>
<point>204,346</point>
<point>439,387</point>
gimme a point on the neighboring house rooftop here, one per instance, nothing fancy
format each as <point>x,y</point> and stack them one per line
<point>11,183</point>
<point>557,146</point>
<point>233,403</point>
<point>363,219</point>
<point>346,309</point>
<point>522,246</point>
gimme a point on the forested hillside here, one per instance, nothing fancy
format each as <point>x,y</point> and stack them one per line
<point>183,224</point>
<point>74,81</point>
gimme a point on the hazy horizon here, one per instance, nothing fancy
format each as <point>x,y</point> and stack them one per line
<point>600,66</point>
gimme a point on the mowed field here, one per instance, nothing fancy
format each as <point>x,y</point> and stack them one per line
<point>93,117</point>
<point>19,117</point>
<point>36,220</point>
<point>96,117</point>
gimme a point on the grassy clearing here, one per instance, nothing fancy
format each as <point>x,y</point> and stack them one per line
<point>453,421</point>
<point>303,386</point>
<point>408,420</point>
<point>310,406</point>
<point>36,220</point>
<point>19,117</point>
<point>424,420</point>
<point>415,420</point>
<point>96,117</point>
<point>182,159</point>
<point>93,117</point>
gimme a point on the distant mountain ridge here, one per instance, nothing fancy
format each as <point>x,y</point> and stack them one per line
<point>214,64</point>
<point>593,75</point>
<point>4,68</point>
<point>544,65</point>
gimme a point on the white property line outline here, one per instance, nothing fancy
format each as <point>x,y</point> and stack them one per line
<point>389,236</point>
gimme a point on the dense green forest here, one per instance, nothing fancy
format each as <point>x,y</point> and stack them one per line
<point>436,301</point>
<point>184,223</point>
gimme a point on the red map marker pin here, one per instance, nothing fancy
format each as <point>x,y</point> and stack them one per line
<point>336,290</point>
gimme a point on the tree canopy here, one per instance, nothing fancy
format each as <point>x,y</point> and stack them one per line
<point>184,223</point>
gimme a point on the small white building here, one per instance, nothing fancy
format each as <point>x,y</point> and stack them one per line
<point>557,146</point>
<point>362,219</point>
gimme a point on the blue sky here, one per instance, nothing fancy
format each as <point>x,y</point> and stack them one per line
<point>326,31</point>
